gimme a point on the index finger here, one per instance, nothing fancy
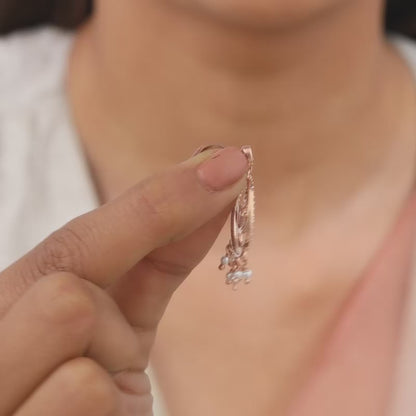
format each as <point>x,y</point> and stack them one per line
<point>105,243</point>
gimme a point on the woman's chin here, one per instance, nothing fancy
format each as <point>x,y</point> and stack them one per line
<point>260,13</point>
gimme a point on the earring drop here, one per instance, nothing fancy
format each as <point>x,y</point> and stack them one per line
<point>242,224</point>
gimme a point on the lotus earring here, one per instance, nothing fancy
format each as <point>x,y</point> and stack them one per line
<point>242,224</point>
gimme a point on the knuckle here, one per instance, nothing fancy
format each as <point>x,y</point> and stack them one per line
<point>63,250</point>
<point>84,378</point>
<point>65,298</point>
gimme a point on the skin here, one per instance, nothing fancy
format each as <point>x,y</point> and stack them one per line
<point>329,112</point>
<point>334,141</point>
<point>73,329</point>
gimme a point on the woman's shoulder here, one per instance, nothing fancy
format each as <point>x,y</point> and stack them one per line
<point>32,66</point>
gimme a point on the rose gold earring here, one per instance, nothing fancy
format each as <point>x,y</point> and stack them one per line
<point>242,224</point>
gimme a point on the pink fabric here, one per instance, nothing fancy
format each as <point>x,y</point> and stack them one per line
<point>355,374</point>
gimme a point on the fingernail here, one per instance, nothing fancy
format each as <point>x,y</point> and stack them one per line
<point>223,169</point>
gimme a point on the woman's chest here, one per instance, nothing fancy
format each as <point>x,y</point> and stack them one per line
<point>250,351</point>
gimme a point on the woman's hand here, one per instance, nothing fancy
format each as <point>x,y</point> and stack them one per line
<point>78,314</point>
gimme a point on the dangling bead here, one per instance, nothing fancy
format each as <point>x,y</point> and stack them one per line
<point>248,273</point>
<point>225,260</point>
<point>230,276</point>
<point>238,275</point>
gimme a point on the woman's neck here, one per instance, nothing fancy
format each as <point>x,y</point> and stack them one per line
<point>325,104</point>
